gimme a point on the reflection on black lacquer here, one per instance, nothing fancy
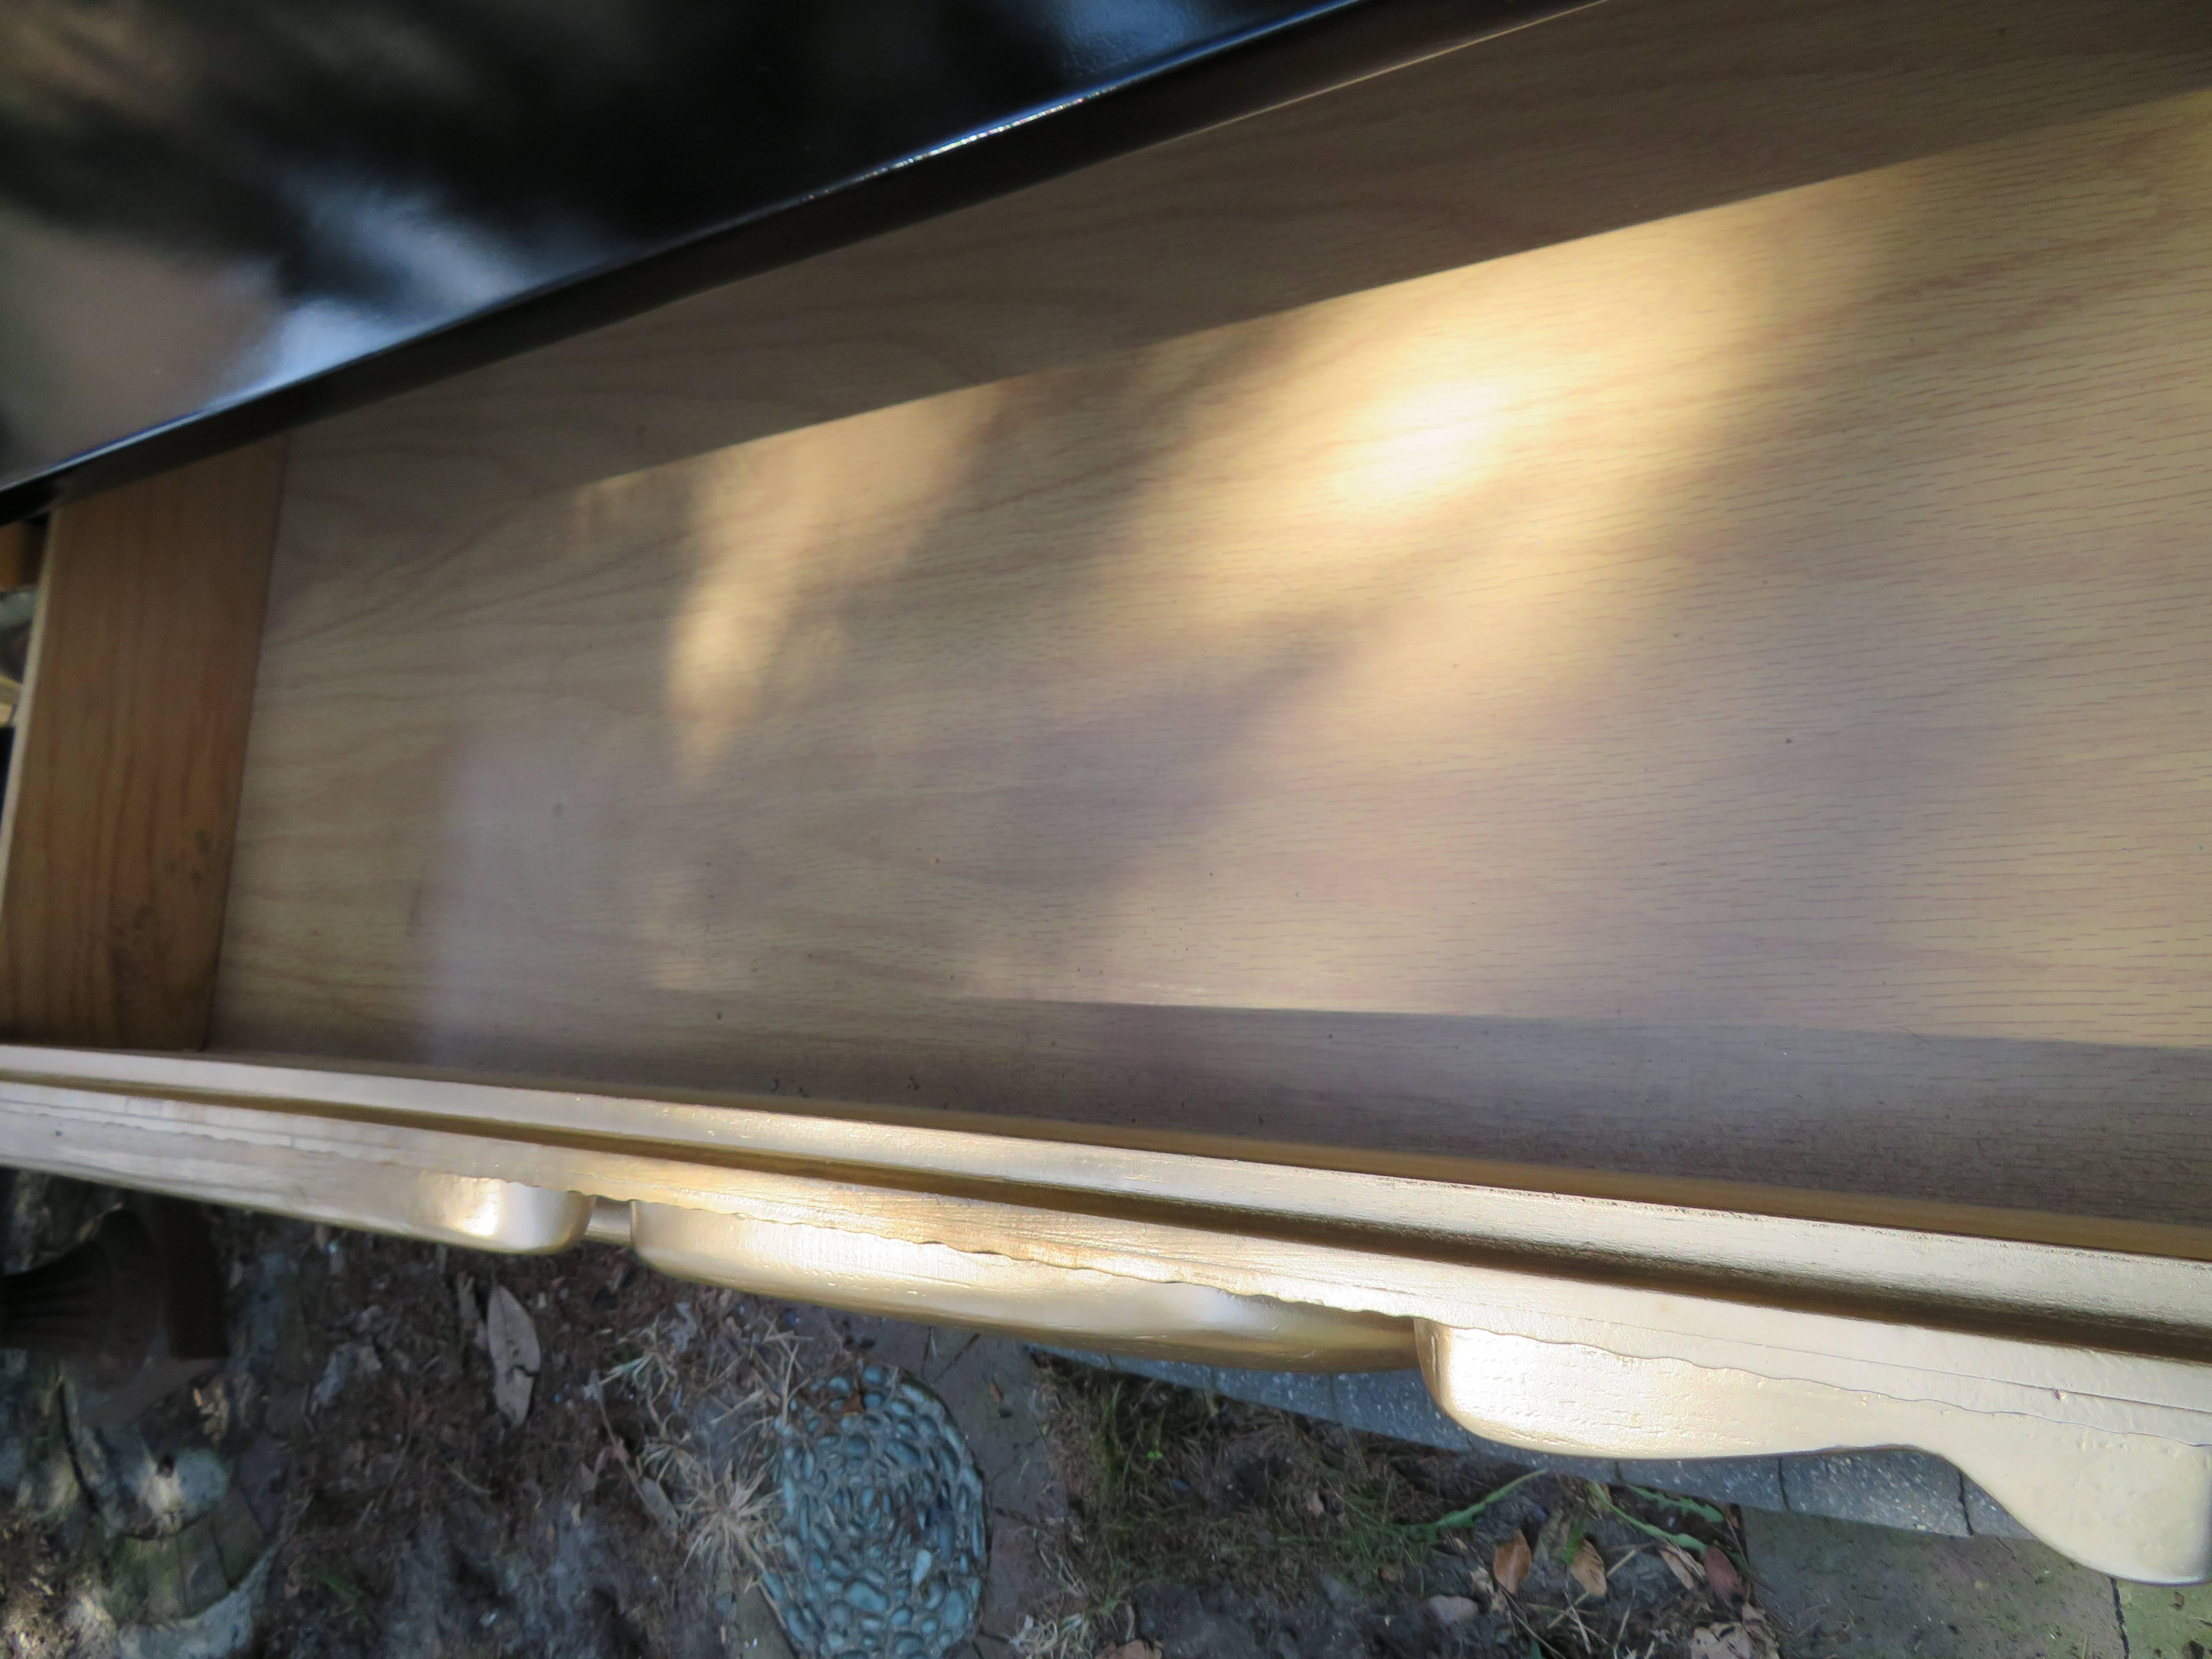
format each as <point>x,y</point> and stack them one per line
<point>204,202</point>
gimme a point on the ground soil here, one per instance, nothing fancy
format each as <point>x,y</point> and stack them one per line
<point>411,1518</point>
<point>1213,1529</point>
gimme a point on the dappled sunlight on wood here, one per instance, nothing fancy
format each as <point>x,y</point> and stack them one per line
<point>788,523</point>
<point>1724,694</point>
<point>1386,549</point>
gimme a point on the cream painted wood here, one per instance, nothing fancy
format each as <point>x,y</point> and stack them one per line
<point>2105,1451</point>
<point>2123,1502</point>
<point>1991,1270</point>
<point>985,1290</point>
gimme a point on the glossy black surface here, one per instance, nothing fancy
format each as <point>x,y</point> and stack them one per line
<point>219,217</point>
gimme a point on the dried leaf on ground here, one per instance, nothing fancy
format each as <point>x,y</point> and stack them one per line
<point>1720,1642</point>
<point>1685,1571</point>
<point>1452,1609</point>
<point>1588,1570</point>
<point>514,1356</point>
<point>1510,1565</point>
<point>1761,1632</point>
<point>1721,1574</point>
<point>1313,1504</point>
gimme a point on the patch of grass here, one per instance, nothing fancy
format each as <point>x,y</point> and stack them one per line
<point>348,1605</point>
<point>1164,1483</point>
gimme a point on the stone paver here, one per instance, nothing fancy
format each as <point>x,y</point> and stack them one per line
<point>1754,1482</point>
<point>754,1631</point>
<point>1846,1591</point>
<point>1987,1518</point>
<point>1907,1489</point>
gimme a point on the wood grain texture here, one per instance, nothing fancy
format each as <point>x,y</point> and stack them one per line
<point>1722,697</point>
<point>123,794</point>
<point>19,554</point>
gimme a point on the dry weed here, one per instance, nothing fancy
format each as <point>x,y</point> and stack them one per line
<point>1066,1630</point>
<point>711,1394</point>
